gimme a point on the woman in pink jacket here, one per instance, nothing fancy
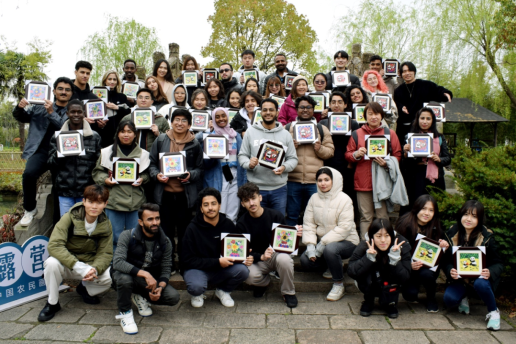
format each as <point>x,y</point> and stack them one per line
<point>288,112</point>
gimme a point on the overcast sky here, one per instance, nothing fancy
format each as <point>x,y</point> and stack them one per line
<point>69,23</point>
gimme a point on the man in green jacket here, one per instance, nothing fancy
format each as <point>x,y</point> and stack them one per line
<point>80,247</point>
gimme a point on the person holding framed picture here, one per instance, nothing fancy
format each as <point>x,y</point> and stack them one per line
<point>341,62</point>
<point>423,219</point>
<point>470,231</point>
<point>124,199</point>
<point>164,74</point>
<point>288,111</point>
<point>329,230</point>
<point>355,95</point>
<point>376,64</point>
<point>244,118</point>
<point>190,64</point>
<point>159,98</point>
<point>72,174</point>
<point>379,265</point>
<point>280,62</point>
<point>248,59</point>
<point>216,94</point>
<point>373,83</point>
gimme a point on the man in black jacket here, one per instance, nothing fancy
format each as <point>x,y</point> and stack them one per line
<point>229,82</point>
<point>81,88</point>
<point>201,255</point>
<point>142,263</point>
<point>280,62</point>
<point>341,61</point>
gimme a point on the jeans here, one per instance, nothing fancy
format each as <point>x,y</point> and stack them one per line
<point>298,195</point>
<point>331,259</point>
<point>127,284</point>
<point>226,279</point>
<point>174,212</point>
<point>120,221</point>
<point>458,290</point>
<point>65,203</point>
<point>36,165</point>
<point>275,199</point>
<point>423,276</point>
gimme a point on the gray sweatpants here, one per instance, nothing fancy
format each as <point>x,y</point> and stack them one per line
<point>280,262</point>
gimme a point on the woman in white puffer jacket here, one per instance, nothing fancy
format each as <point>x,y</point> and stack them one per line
<point>329,230</point>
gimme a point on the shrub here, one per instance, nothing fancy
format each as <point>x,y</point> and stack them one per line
<point>10,182</point>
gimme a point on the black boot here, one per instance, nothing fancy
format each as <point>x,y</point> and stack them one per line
<point>259,291</point>
<point>81,290</point>
<point>48,312</point>
<point>367,308</point>
<point>392,310</point>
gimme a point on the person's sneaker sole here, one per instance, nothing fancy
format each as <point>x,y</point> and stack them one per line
<point>365,314</point>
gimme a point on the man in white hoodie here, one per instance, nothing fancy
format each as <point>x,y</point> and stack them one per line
<point>248,58</point>
<point>272,183</point>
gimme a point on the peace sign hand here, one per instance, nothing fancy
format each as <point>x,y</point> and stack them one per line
<point>370,248</point>
<point>397,246</point>
<point>395,252</point>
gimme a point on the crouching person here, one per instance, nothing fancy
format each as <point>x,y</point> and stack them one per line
<point>80,247</point>
<point>142,265</point>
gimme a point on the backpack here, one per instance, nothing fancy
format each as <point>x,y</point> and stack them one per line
<point>319,127</point>
<point>354,135</point>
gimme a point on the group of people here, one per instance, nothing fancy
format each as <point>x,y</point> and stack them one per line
<point>318,188</point>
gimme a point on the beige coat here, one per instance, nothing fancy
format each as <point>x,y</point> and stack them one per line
<point>329,216</point>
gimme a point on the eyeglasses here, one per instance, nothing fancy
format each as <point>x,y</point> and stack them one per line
<point>225,70</point>
<point>319,82</point>
<point>64,89</point>
<point>179,120</point>
<point>305,108</point>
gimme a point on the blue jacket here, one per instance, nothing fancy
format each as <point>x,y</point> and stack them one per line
<point>213,167</point>
<point>39,120</point>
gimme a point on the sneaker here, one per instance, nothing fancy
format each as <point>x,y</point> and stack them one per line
<point>432,306</point>
<point>366,309</point>
<point>336,293</point>
<point>274,274</point>
<point>464,306</point>
<point>392,311</point>
<point>48,312</point>
<point>259,291</point>
<point>198,301</point>
<point>81,290</point>
<point>225,298</point>
<point>494,320</point>
<point>127,322</point>
<point>28,217</point>
<point>291,300</point>
<point>142,304</point>
<point>327,274</point>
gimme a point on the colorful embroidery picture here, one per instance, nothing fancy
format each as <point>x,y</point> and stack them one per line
<point>421,145</point>
<point>284,239</point>
<point>358,113</point>
<point>37,92</point>
<point>305,133</point>
<point>130,89</point>
<point>125,171</point>
<point>383,103</point>
<point>339,123</point>
<point>320,99</point>
<point>208,74</point>
<point>190,78</point>
<point>341,78</point>
<point>234,246</point>
<point>95,110</point>
<point>390,67</point>
<point>257,116</point>
<point>216,146</point>
<point>469,261</point>
<point>271,155</point>
<point>199,121</point>
<point>427,251</point>
<point>143,118</point>
<point>279,99</point>
<point>101,93</point>
<point>232,113</point>
<point>172,164</point>
<point>69,143</point>
<point>377,147</point>
<point>438,111</point>
<point>289,80</point>
<point>248,74</point>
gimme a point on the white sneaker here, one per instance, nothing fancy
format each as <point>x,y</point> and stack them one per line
<point>493,319</point>
<point>142,304</point>
<point>198,301</point>
<point>225,298</point>
<point>336,293</point>
<point>464,306</point>
<point>127,322</point>
<point>327,274</point>
<point>28,217</point>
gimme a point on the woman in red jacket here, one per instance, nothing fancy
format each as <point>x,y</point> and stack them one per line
<point>355,153</point>
<point>288,112</point>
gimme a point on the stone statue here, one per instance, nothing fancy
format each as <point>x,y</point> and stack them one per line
<point>176,64</point>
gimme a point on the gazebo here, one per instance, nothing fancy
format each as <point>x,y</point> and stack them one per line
<point>463,110</point>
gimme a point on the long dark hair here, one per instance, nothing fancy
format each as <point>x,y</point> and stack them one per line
<point>407,224</point>
<point>168,76</point>
<point>255,81</point>
<point>237,90</point>
<point>120,128</point>
<point>348,96</point>
<point>471,206</point>
<point>217,82</point>
<point>376,226</point>
<point>415,128</point>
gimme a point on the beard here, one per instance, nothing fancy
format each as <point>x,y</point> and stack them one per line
<point>269,122</point>
<point>151,230</point>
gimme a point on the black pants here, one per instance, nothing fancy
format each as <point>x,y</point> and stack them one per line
<point>401,131</point>
<point>424,277</point>
<point>36,165</point>
<point>371,287</point>
<point>127,284</point>
<point>174,212</point>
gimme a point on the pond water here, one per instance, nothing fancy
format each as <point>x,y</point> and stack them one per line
<point>7,203</point>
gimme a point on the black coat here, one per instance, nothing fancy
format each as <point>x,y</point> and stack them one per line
<point>238,123</point>
<point>108,132</point>
<point>231,85</point>
<point>82,94</point>
<point>212,104</point>
<point>138,249</point>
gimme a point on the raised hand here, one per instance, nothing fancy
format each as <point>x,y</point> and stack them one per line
<point>370,246</point>
<point>397,246</point>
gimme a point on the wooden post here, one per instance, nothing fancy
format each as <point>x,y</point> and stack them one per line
<point>495,141</point>
<point>471,134</point>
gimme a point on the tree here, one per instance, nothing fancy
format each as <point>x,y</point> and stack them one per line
<point>505,21</point>
<point>122,39</point>
<point>265,27</point>
<point>16,68</point>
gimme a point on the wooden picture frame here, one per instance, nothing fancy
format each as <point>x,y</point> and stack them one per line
<point>438,109</point>
<point>421,145</point>
<point>469,261</point>
<point>378,146</point>
<point>235,246</point>
<point>172,164</point>
<point>339,123</point>
<point>70,143</point>
<point>271,155</point>
<point>143,118</point>
<point>427,251</point>
<point>284,239</point>
<point>251,73</point>
<point>257,116</point>
<point>359,113</point>
<point>130,89</point>
<point>341,78</point>
<point>216,146</point>
<point>95,109</point>
<point>385,101</point>
<point>305,132</point>
<point>101,92</point>
<point>200,120</point>
<point>126,171</point>
<point>190,78</point>
<point>289,81</point>
<point>36,92</point>
<point>209,73</point>
<point>320,99</point>
<point>391,67</point>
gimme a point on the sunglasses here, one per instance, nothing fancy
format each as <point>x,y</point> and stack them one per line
<point>319,82</point>
<point>225,70</point>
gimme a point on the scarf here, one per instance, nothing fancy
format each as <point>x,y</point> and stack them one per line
<point>179,145</point>
<point>231,133</point>
<point>432,171</point>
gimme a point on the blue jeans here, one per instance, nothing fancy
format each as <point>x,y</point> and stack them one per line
<point>298,195</point>
<point>226,279</point>
<point>121,220</point>
<point>457,291</point>
<point>425,277</point>
<point>275,199</point>
<point>65,203</point>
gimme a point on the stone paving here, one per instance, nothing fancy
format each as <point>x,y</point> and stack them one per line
<point>265,320</point>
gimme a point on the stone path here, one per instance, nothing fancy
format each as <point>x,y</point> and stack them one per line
<point>265,320</point>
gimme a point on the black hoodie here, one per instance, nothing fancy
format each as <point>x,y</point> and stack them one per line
<point>201,243</point>
<point>82,94</point>
<point>230,85</point>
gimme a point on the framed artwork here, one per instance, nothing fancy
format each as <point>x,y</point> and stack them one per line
<point>37,92</point>
<point>341,78</point>
<point>377,146</point>
<point>284,239</point>
<point>209,73</point>
<point>130,89</point>
<point>101,92</point>
<point>320,99</point>
<point>70,143</point>
<point>250,73</point>
<point>279,99</point>
<point>289,80</point>
<point>125,171</point>
<point>143,118</point>
<point>234,246</point>
<point>438,110</point>
<point>427,251</point>
<point>95,109</point>
<point>340,123</point>
<point>305,132</point>
<point>358,112</point>
<point>232,113</point>
<point>200,120</point>
<point>172,164</point>
<point>390,67</point>
<point>174,108</point>
<point>421,145</point>
<point>384,100</point>
<point>271,155</point>
<point>216,146</point>
<point>469,261</point>
<point>257,116</point>
<point>190,79</point>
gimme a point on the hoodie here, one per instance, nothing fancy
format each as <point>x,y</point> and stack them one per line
<point>231,85</point>
<point>262,176</point>
<point>201,243</point>
<point>82,94</point>
<point>165,109</point>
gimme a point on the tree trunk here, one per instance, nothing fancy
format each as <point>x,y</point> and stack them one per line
<point>496,69</point>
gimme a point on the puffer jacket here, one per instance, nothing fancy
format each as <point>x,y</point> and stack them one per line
<point>95,250</point>
<point>73,173</point>
<point>363,173</point>
<point>310,161</point>
<point>288,112</point>
<point>329,216</point>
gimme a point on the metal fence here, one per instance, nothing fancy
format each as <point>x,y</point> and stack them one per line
<point>11,162</point>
